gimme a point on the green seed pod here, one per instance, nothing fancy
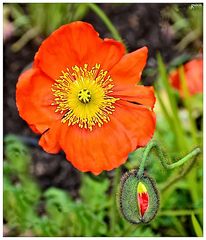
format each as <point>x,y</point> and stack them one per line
<point>138,198</point>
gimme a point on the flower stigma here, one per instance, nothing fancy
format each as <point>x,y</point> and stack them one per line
<point>82,96</point>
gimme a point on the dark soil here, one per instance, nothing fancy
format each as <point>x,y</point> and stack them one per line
<point>139,24</point>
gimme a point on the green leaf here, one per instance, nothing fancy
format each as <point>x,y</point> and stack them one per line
<point>93,193</point>
<point>196,226</point>
<point>80,11</point>
<point>19,207</point>
<point>17,154</point>
<point>57,201</point>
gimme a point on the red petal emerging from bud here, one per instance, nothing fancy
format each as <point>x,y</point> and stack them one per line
<point>142,198</point>
<point>143,201</point>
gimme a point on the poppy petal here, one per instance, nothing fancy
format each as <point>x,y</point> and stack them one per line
<point>143,200</point>
<point>109,53</point>
<point>85,152</point>
<point>49,140</point>
<point>135,93</point>
<point>138,121</point>
<point>131,126</point>
<point>34,98</point>
<point>76,43</point>
<point>193,71</point>
<point>130,67</point>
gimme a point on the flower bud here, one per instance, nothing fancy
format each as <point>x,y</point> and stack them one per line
<point>138,198</point>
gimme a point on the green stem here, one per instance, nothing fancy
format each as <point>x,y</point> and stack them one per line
<point>182,141</point>
<point>167,116</point>
<point>131,228</point>
<point>162,156</point>
<point>178,225</point>
<point>163,74</point>
<point>106,21</point>
<point>180,212</point>
<point>171,123</point>
<point>30,34</point>
<point>113,210</point>
<point>173,180</point>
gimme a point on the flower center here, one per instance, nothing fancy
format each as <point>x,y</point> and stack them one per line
<point>82,96</point>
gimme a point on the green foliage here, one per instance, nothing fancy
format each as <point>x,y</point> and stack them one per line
<point>46,17</point>
<point>53,212</point>
<point>187,24</point>
<point>42,15</point>
<point>62,215</point>
<point>93,193</point>
<point>40,19</point>
<point>17,155</point>
<point>20,191</point>
<point>178,137</point>
<point>196,225</point>
<point>20,202</point>
<point>85,217</point>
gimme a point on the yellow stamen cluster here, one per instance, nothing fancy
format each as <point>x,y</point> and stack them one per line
<point>82,96</point>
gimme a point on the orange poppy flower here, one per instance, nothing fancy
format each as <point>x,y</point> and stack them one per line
<point>193,75</point>
<point>81,95</point>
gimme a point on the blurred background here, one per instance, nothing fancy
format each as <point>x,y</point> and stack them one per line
<point>43,194</point>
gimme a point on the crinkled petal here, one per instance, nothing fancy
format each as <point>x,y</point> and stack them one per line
<point>95,150</point>
<point>76,43</point>
<point>129,68</point>
<point>107,147</point>
<point>139,122</point>
<point>194,76</point>
<point>135,93</point>
<point>49,140</point>
<point>34,98</point>
<point>193,71</point>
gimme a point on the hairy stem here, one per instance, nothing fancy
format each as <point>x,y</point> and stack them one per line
<point>173,180</point>
<point>162,157</point>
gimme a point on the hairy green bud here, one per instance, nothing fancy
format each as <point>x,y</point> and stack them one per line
<point>138,198</point>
